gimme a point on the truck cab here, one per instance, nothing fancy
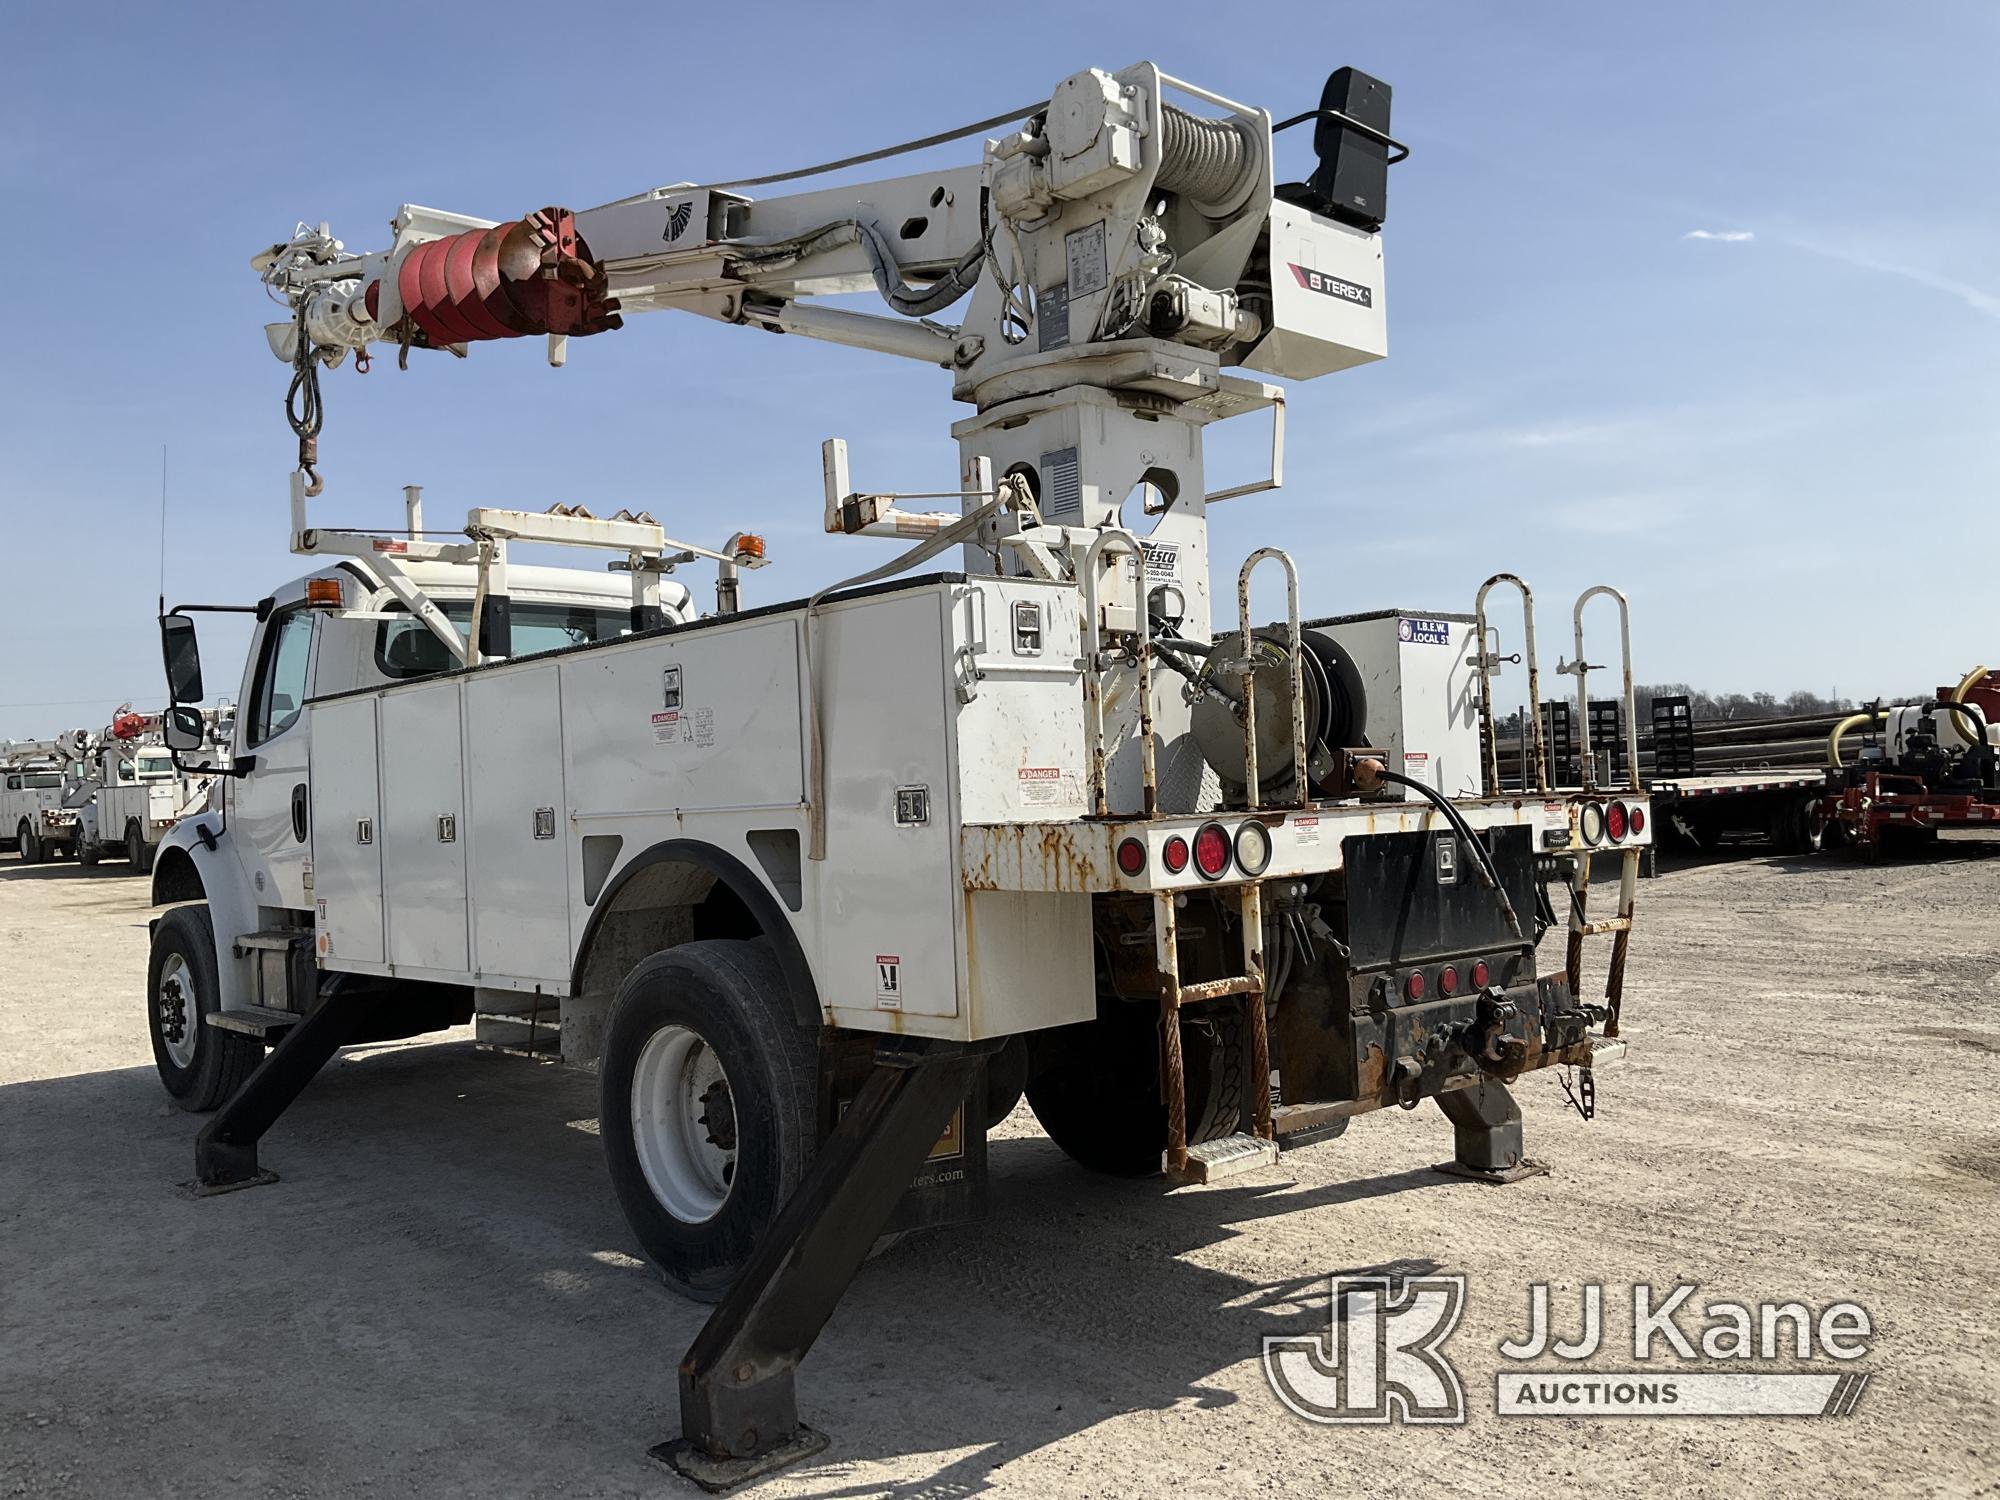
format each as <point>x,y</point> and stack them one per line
<point>248,851</point>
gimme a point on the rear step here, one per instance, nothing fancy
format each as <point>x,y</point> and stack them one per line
<point>275,941</point>
<point>254,1020</point>
<point>1227,1156</point>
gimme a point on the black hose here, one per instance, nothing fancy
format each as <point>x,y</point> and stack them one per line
<point>1488,872</point>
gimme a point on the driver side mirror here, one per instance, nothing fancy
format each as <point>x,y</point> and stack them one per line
<point>183,729</point>
<point>183,659</point>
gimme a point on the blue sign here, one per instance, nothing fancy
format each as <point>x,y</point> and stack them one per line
<point>1423,632</point>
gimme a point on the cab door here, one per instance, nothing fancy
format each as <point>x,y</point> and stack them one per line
<point>270,809</point>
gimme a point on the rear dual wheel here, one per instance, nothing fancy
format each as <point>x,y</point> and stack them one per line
<point>708,1111</point>
<point>1095,1087</point>
<point>31,846</point>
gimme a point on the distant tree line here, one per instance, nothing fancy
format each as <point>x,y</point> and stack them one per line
<point>1738,705</point>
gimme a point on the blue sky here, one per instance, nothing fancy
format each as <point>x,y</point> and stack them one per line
<point>1698,299</point>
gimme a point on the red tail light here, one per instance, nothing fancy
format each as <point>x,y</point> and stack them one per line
<point>1175,855</point>
<point>1211,851</point>
<point>1132,856</point>
<point>1414,985</point>
<point>1481,974</point>
<point>1637,818</point>
<point>1448,980</point>
<point>1614,822</point>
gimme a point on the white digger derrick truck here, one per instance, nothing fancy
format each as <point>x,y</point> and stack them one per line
<point>130,794</point>
<point>35,776</point>
<point>822,887</point>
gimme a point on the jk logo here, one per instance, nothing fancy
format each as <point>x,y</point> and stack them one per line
<point>1380,1359</point>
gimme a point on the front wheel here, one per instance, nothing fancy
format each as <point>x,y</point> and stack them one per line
<point>709,1093</point>
<point>31,845</point>
<point>87,853</point>
<point>136,851</point>
<point>198,1064</point>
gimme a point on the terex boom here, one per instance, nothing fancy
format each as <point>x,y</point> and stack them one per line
<point>823,887</point>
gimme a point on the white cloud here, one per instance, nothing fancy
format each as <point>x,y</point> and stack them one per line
<point>1972,296</point>
<point>1723,236</point>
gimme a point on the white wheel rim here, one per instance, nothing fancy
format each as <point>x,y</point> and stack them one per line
<point>684,1124</point>
<point>179,1014</point>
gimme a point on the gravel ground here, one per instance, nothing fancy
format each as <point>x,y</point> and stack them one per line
<point>441,1298</point>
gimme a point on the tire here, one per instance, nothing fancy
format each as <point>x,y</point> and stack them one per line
<point>1006,1080</point>
<point>699,1192</point>
<point>137,854</point>
<point>1096,1087</point>
<point>87,853</point>
<point>32,852</point>
<point>199,1065</point>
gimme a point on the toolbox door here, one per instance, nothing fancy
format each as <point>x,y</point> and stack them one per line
<point>346,839</point>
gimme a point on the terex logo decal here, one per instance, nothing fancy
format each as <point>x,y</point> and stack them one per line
<point>1333,286</point>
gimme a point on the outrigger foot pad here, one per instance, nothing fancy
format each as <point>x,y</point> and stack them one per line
<point>200,1189</point>
<point>1495,1176</point>
<point>720,1475</point>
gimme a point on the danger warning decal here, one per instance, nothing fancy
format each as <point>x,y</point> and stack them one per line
<point>1333,286</point>
<point>888,981</point>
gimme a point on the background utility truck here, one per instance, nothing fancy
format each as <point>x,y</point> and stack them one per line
<point>129,793</point>
<point>34,815</point>
<point>823,886</point>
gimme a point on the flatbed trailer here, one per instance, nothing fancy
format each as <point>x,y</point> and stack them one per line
<point>1777,803</point>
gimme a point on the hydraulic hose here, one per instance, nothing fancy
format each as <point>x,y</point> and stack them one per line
<point>1487,873</point>
<point>1965,684</point>
<point>1852,721</point>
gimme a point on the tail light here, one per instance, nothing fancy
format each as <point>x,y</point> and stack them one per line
<point>1481,974</point>
<point>1132,857</point>
<point>1253,848</point>
<point>1590,823</point>
<point>1413,987</point>
<point>1211,851</point>
<point>1448,980</point>
<point>1175,855</point>
<point>1614,822</point>
<point>1636,817</point>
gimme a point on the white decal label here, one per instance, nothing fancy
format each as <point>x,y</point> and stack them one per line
<point>1163,561</point>
<point>685,726</point>
<point>1048,786</point>
<point>888,981</point>
<point>1416,757</point>
<point>1305,831</point>
<point>1084,250</point>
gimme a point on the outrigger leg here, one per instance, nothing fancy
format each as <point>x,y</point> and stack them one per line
<point>225,1153</point>
<point>1486,1123</point>
<point>739,1406</point>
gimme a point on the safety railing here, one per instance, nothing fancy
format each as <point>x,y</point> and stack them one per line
<point>1301,770</point>
<point>1094,666</point>
<point>1486,661</point>
<point>1582,667</point>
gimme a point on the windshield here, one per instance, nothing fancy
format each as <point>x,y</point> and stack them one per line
<point>156,767</point>
<point>41,780</point>
<point>406,647</point>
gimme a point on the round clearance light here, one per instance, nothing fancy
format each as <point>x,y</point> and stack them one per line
<point>1175,855</point>
<point>1211,851</point>
<point>1590,823</point>
<point>1448,980</point>
<point>1132,857</point>
<point>1635,817</point>
<point>1253,848</point>
<point>1614,822</point>
<point>1414,985</point>
<point>1481,974</point>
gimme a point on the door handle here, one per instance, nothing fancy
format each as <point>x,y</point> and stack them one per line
<point>300,825</point>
